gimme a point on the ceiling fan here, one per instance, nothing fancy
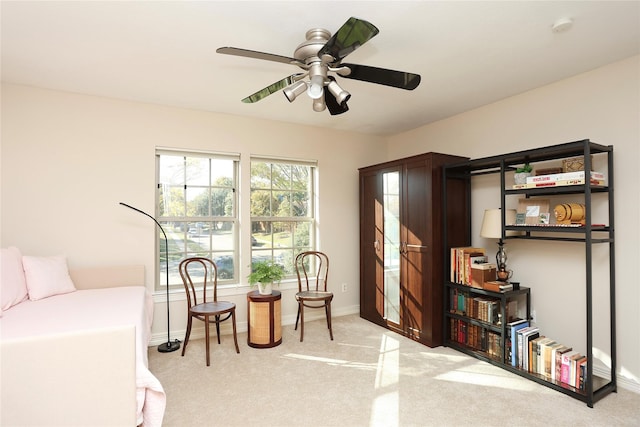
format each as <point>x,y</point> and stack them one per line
<point>321,54</point>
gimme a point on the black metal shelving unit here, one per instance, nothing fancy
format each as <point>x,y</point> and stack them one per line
<point>589,234</point>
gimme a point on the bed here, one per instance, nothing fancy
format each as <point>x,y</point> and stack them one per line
<point>80,357</point>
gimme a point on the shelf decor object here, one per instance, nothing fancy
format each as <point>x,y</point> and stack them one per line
<point>492,229</point>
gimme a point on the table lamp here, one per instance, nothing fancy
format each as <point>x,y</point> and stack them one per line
<point>492,229</point>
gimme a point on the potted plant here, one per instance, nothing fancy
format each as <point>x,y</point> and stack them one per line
<point>522,173</point>
<point>265,274</point>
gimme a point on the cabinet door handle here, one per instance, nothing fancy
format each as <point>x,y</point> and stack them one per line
<point>376,245</point>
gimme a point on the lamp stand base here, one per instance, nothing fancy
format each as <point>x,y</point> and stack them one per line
<point>169,346</point>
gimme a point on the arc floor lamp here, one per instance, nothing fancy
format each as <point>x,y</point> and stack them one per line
<point>168,346</point>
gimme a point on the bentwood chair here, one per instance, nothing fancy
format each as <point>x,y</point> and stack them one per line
<point>199,270</point>
<point>312,269</point>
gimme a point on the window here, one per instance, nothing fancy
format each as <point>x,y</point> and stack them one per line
<point>282,210</point>
<point>197,207</point>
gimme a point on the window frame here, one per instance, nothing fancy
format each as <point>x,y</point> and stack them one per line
<point>310,219</point>
<point>234,219</point>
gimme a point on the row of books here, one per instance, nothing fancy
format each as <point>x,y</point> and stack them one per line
<point>484,308</point>
<point>475,337</point>
<point>528,349</point>
<point>462,259</point>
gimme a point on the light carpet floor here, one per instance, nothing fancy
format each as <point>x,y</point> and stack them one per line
<point>367,376</point>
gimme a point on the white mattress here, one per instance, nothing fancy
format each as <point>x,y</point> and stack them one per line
<point>84,310</point>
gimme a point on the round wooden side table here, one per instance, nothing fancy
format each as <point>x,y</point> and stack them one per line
<point>265,320</point>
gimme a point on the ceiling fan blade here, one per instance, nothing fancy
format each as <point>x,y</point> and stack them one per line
<point>332,104</point>
<point>272,88</point>
<point>258,55</point>
<point>353,34</point>
<point>382,76</point>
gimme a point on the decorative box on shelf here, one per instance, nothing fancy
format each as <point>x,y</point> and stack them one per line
<point>482,273</point>
<point>574,164</point>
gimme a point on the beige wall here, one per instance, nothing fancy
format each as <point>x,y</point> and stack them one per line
<point>67,160</point>
<point>604,106</point>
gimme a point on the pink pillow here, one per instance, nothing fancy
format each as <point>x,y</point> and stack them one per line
<point>13,286</point>
<point>47,276</point>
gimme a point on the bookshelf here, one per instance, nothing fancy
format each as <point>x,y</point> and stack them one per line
<point>586,236</point>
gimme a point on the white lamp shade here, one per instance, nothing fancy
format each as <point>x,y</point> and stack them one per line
<point>492,223</point>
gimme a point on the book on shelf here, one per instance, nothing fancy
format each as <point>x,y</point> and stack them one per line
<point>549,360</point>
<point>564,176</point>
<point>582,365</point>
<point>533,353</point>
<point>574,370</point>
<point>512,339</point>
<point>556,373</point>
<point>565,182</point>
<point>565,368</point>
<point>497,286</point>
<point>544,356</point>
<point>524,336</point>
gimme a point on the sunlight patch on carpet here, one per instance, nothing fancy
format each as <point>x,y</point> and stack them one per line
<point>388,362</point>
<point>487,375</point>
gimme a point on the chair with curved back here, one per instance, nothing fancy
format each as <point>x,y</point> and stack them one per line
<point>312,269</point>
<point>200,270</point>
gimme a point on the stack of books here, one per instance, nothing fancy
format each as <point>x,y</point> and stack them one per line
<point>562,179</point>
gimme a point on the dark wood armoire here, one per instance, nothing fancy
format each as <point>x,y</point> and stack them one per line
<point>401,242</point>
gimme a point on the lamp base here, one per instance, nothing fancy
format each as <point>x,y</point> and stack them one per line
<point>169,346</point>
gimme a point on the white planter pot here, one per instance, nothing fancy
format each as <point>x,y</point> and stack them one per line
<point>521,177</point>
<point>265,288</point>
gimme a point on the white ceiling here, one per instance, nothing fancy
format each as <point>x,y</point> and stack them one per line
<point>468,53</point>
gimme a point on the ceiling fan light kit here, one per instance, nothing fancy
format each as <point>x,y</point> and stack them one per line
<point>321,54</point>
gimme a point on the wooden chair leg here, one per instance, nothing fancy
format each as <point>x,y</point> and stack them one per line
<point>297,317</point>
<point>206,336</point>
<point>301,308</point>
<point>328,311</point>
<point>186,336</point>
<point>218,328</point>
<point>235,336</point>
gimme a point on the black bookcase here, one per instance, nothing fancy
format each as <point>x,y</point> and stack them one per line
<point>587,236</point>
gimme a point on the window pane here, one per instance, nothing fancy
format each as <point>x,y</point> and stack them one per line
<point>281,176</point>
<point>222,202</point>
<point>172,170</point>
<point>261,234</point>
<point>281,204</point>
<point>300,204</point>
<point>260,203</point>
<point>197,171</point>
<point>300,178</point>
<point>170,200</point>
<point>222,236</point>
<point>302,237</point>
<point>260,175</point>
<point>226,266</point>
<point>197,201</point>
